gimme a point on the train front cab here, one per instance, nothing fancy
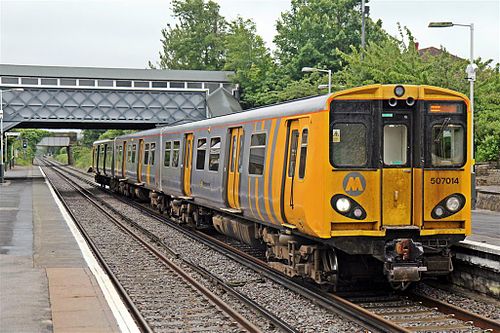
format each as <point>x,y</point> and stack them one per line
<point>400,176</point>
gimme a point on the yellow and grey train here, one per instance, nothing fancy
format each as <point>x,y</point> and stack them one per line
<point>369,180</point>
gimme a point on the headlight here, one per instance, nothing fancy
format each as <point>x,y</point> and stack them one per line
<point>399,91</point>
<point>343,205</point>
<point>439,211</point>
<point>453,204</point>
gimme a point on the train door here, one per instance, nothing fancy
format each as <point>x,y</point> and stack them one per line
<point>118,158</point>
<point>124,160</point>
<point>396,169</point>
<point>188,159</point>
<point>140,157</point>
<point>233,170</point>
<point>295,161</point>
<point>96,158</point>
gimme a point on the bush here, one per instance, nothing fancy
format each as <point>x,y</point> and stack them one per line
<point>488,149</point>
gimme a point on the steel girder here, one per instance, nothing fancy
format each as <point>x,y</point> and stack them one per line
<point>101,107</point>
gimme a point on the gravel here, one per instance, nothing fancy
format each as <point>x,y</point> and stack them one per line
<point>291,307</point>
<point>485,306</point>
<point>163,298</point>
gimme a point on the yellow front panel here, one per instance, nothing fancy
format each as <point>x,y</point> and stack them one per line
<point>397,195</point>
<point>439,184</point>
<point>362,186</point>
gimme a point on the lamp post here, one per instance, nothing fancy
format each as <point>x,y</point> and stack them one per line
<point>329,71</point>
<point>2,166</point>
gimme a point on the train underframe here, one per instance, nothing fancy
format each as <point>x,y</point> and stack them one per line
<point>401,257</point>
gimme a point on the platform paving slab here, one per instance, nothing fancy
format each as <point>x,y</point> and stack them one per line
<point>45,284</point>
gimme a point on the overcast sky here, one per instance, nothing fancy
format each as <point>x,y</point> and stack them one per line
<point>126,33</point>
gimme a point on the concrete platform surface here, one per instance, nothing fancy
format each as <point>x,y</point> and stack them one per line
<point>45,283</point>
<point>485,227</point>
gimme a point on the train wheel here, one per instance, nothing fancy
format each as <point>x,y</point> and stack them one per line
<point>400,285</point>
<point>330,266</point>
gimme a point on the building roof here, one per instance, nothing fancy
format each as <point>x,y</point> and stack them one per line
<point>114,73</point>
<point>434,51</point>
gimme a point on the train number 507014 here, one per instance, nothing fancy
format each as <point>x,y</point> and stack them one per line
<point>444,180</point>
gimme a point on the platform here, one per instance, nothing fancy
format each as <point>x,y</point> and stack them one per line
<point>485,227</point>
<point>45,282</point>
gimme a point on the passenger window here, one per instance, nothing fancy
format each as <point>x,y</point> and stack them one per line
<point>175,154</point>
<point>303,154</point>
<point>168,147</point>
<point>201,153</point>
<point>146,153</point>
<point>152,154</point>
<point>293,153</point>
<point>257,154</point>
<point>233,152</point>
<point>240,158</point>
<point>101,153</point>
<point>213,160</point>
<point>109,156</point>
<point>448,145</point>
<point>395,144</point>
<point>119,158</point>
<point>134,150</point>
<point>129,153</point>
<point>349,144</point>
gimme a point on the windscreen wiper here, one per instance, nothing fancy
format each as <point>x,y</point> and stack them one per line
<point>443,126</point>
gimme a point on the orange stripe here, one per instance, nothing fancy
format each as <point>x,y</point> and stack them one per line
<point>267,199</point>
<point>257,197</point>
<point>249,197</point>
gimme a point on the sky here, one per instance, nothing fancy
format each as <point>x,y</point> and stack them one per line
<point>127,33</point>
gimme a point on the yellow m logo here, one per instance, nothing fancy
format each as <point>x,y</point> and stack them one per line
<point>354,184</point>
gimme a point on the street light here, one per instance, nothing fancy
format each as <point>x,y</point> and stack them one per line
<point>2,168</point>
<point>329,71</point>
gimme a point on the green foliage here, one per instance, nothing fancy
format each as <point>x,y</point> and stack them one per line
<point>487,115</point>
<point>313,31</point>
<point>61,157</point>
<point>489,148</point>
<point>247,55</point>
<point>197,40</point>
<point>322,34</point>
<point>82,157</point>
<point>32,137</point>
<point>89,136</point>
<point>113,133</point>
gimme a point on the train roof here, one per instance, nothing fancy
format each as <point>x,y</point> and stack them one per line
<point>310,104</point>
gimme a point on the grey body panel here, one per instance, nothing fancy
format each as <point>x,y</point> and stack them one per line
<point>209,187</point>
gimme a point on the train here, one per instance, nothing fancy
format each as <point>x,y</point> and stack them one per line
<point>368,181</point>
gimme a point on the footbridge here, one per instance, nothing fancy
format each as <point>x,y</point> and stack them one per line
<point>86,97</point>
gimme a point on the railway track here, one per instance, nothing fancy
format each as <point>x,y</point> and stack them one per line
<point>182,304</point>
<point>396,313</point>
<point>418,313</point>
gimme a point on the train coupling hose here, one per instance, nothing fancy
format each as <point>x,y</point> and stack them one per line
<point>403,260</point>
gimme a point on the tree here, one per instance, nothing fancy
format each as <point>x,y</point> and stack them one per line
<point>197,40</point>
<point>113,133</point>
<point>32,137</point>
<point>248,56</point>
<point>89,136</point>
<point>313,31</point>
